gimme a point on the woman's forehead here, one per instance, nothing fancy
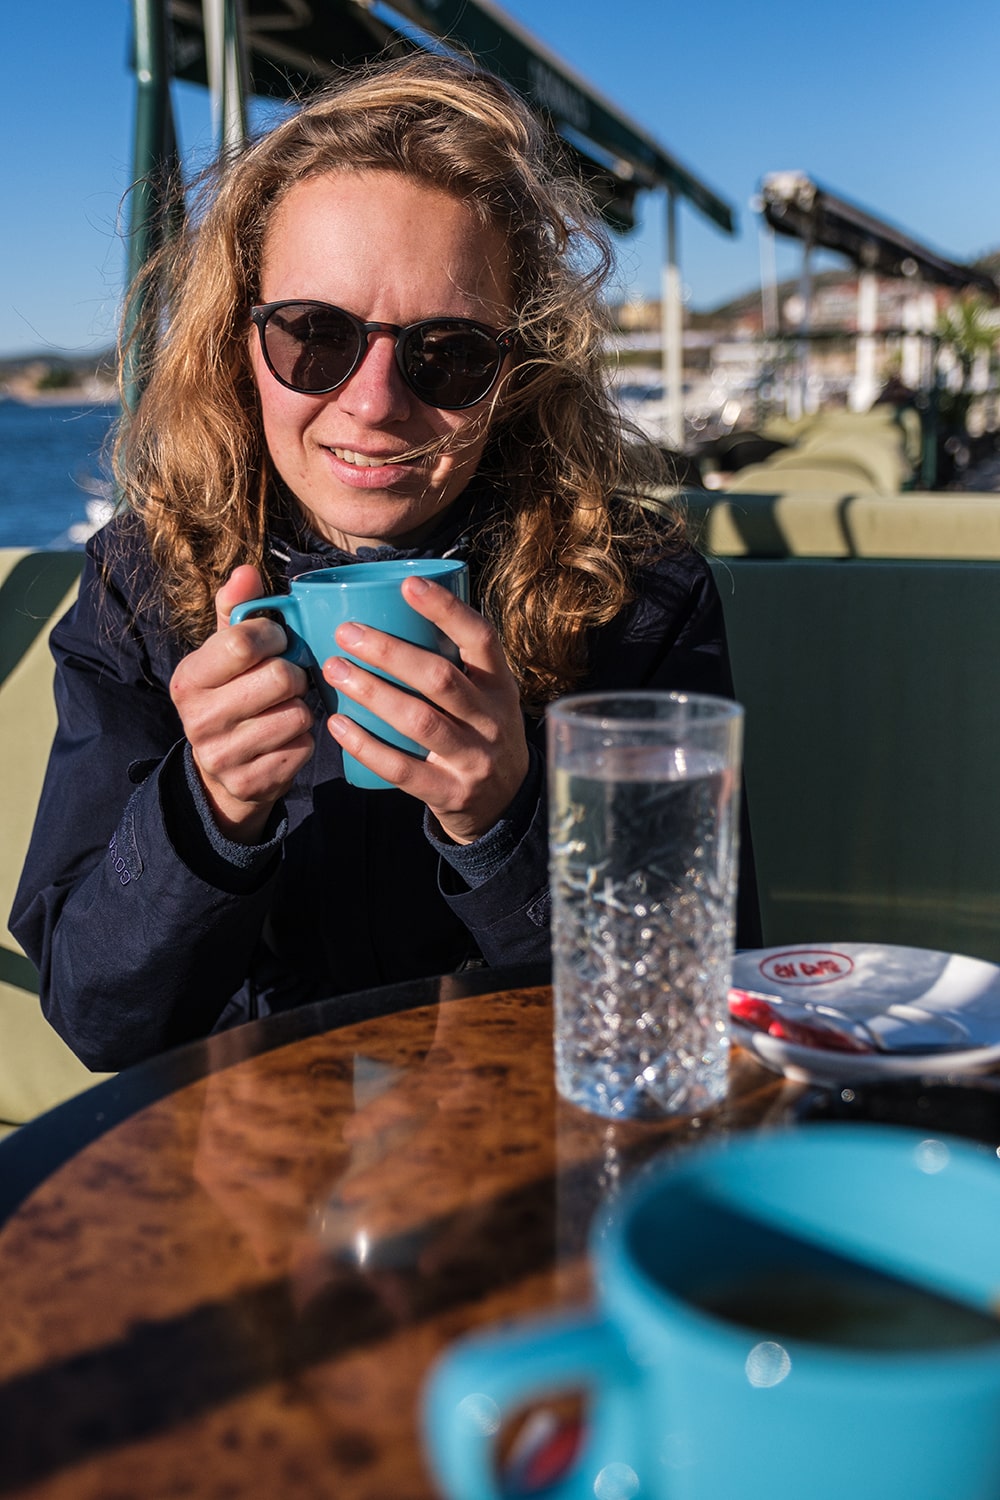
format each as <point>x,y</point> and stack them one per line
<point>371,234</point>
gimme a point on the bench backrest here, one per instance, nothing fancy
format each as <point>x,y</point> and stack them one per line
<point>849,524</point>
<point>872,746</point>
<point>37,1070</point>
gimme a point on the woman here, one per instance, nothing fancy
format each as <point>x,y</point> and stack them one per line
<point>381,337</point>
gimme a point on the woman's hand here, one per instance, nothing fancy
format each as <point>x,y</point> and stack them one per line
<point>470,723</point>
<point>241,705</point>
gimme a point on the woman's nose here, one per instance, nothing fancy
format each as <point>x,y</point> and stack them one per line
<point>376,392</point>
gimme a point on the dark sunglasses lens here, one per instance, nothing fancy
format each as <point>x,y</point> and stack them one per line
<point>450,364</point>
<point>311,347</point>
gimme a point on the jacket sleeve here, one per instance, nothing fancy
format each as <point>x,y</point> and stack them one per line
<point>671,638</point>
<point>135,951</point>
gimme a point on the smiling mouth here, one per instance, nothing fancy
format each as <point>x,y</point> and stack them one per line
<point>361,460</point>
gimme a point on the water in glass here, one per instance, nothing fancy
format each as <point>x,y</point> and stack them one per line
<point>643,874</point>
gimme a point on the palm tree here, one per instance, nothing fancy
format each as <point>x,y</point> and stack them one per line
<point>969,328</point>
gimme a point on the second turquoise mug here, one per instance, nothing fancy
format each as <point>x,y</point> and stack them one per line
<point>807,1314</point>
<point>368,593</point>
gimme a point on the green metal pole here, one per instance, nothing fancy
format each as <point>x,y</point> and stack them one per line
<point>154,162</point>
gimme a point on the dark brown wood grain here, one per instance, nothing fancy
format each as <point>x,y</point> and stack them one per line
<point>238,1289</point>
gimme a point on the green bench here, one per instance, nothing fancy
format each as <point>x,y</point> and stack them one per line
<point>37,1070</point>
<point>851,452</point>
<point>865,638</point>
<point>846,523</point>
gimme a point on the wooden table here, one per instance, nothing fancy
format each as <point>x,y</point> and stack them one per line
<point>226,1272</point>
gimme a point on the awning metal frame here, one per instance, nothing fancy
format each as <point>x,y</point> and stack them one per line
<point>792,204</point>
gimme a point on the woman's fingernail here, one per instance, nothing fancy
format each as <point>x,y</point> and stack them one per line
<point>349,635</point>
<point>418,585</point>
<point>337,669</point>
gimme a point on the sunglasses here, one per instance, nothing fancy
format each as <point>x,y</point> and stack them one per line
<point>313,347</point>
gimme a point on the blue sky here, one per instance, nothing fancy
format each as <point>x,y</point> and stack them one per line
<point>891,103</point>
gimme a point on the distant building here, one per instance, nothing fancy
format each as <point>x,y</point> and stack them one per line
<point>811,356</point>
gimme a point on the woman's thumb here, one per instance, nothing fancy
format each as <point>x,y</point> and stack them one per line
<point>243,583</point>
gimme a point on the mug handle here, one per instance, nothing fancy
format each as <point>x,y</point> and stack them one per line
<point>285,605</point>
<point>486,1377</point>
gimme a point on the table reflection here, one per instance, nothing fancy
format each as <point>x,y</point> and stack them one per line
<point>239,1287</point>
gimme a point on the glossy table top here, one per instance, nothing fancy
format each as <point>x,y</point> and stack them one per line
<point>226,1273</point>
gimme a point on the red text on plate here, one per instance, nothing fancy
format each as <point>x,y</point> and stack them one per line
<point>807,966</point>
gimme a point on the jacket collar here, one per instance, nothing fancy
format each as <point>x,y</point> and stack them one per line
<point>296,549</point>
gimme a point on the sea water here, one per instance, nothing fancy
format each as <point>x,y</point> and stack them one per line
<point>643,875</point>
<point>52,467</point>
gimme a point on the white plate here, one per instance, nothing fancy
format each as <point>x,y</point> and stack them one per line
<point>872,981</point>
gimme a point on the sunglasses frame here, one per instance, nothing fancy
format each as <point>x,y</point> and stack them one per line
<point>261,312</point>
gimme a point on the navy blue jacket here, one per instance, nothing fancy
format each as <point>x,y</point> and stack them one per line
<point>148,929</point>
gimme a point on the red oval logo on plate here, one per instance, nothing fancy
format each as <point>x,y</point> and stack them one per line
<point>807,966</point>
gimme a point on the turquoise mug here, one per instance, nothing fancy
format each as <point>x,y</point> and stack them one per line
<point>368,593</point>
<point>808,1314</point>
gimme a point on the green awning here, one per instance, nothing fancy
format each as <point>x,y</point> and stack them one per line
<point>293,45</point>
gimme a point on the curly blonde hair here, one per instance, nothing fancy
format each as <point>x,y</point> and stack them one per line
<point>192,462</point>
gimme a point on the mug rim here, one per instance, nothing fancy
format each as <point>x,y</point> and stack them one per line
<point>625,1280</point>
<point>387,568</point>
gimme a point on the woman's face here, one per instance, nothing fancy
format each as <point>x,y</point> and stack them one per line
<point>388,249</point>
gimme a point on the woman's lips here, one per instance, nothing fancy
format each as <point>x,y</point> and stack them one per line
<point>370,470</point>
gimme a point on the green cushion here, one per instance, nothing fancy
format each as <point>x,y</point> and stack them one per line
<point>880,458</point>
<point>37,1069</point>
<point>800,475</point>
<point>861,450</point>
<point>924,525</point>
<point>832,523</point>
<point>805,525</point>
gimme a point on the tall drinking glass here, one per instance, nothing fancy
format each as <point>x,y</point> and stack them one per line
<point>643,823</point>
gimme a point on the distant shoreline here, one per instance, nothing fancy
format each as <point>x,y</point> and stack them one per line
<point>71,396</point>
